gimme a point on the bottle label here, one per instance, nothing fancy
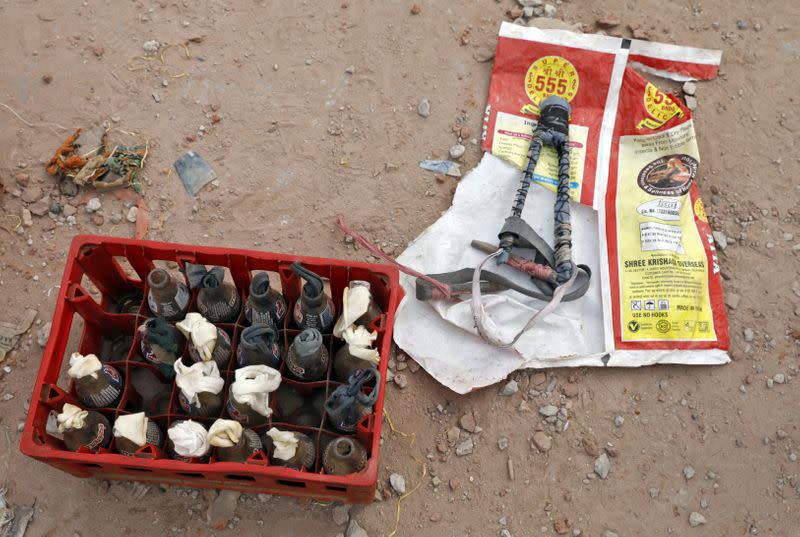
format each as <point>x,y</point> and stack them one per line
<point>280,309</point>
<point>218,311</point>
<point>171,307</point>
<point>298,314</point>
<point>234,413</point>
<point>184,403</point>
<point>97,440</point>
<point>321,321</point>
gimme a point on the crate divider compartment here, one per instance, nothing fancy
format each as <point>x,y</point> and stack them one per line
<point>119,267</point>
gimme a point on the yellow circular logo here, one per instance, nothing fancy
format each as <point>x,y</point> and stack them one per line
<point>660,105</point>
<point>551,75</point>
<point>700,211</point>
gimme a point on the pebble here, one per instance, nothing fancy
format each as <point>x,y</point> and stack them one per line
<point>741,24</point>
<point>27,219</point>
<point>780,433</point>
<point>43,334</point>
<point>770,383</point>
<point>93,205</point>
<point>151,46</point>
<point>654,492</point>
<point>570,389</point>
<point>222,508</point>
<point>354,530</point>
<point>424,107</point>
<point>608,21</point>
<point>467,422</point>
<point>696,519</point>
<point>350,70</point>
<point>689,87</point>
<point>436,516</point>
<point>156,97</point>
<point>530,3</point>
<point>779,378</point>
<point>398,483</point>
<point>550,11</point>
<point>70,210</point>
<point>23,179</point>
<point>610,533</point>
<point>720,239</point>
<point>691,102</point>
<point>618,421</point>
<point>400,381</point>
<point>31,194</point>
<point>793,456</point>
<point>341,514</point>
<point>457,151</point>
<point>465,447</point>
<point>453,434</point>
<point>688,472</point>
<point>133,212</point>
<point>502,443</point>
<point>703,504</point>
<point>41,207</point>
<point>527,12</point>
<point>116,218</point>
<point>733,300</point>
<point>590,447</point>
<point>602,465</point>
<point>542,442</point>
<point>548,410</point>
<point>506,533</point>
<point>748,334</point>
<point>510,388</point>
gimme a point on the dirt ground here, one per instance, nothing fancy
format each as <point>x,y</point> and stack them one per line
<point>303,137</point>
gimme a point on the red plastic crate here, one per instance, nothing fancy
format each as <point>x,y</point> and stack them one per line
<point>109,333</point>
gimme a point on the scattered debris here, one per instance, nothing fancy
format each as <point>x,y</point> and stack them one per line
<point>602,465</point>
<point>14,520</point>
<point>696,519</point>
<point>424,107</point>
<point>548,410</point>
<point>398,483</point>
<point>465,448</point>
<point>510,388</point>
<point>10,332</point>
<point>194,171</point>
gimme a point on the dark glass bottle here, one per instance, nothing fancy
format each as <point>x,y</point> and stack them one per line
<point>83,429</point>
<point>344,456</point>
<point>128,445</point>
<point>167,297</point>
<point>201,346</point>
<point>345,364</point>
<point>373,311</point>
<point>96,385</point>
<point>259,345</point>
<point>304,453</point>
<point>199,388</point>
<point>161,344</point>
<point>154,393</point>
<point>229,448</point>
<point>249,394</point>
<point>314,309</point>
<point>217,300</point>
<point>308,358</point>
<point>187,440</point>
<point>264,305</point>
<point>348,403</point>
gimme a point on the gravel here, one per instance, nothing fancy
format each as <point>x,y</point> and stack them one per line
<point>133,213</point>
<point>619,420</point>
<point>424,107</point>
<point>653,492</point>
<point>354,530</point>
<point>550,11</point>
<point>510,388</point>
<point>151,46</point>
<point>398,483</point>
<point>93,205</point>
<point>542,442</point>
<point>400,380</point>
<point>719,236</point>
<point>341,514</point>
<point>502,443</point>
<point>465,448</point>
<point>696,519</point>
<point>43,334</point>
<point>689,87</point>
<point>602,465</point>
<point>548,410</point>
<point>779,378</point>
<point>457,151</point>
<point>748,334</point>
<point>688,472</point>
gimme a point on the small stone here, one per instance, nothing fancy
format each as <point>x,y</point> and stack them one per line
<point>41,207</point>
<point>542,442</point>
<point>653,492</point>
<point>47,78</point>
<point>350,70</point>
<point>781,434</point>
<point>309,61</point>
<point>770,383</point>
<point>93,205</point>
<point>748,334</point>
<point>453,434</point>
<point>465,447</point>
<point>436,516</point>
<point>151,47</point>
<point>70,210</point>
<point>610,533</point>
<point>612,451</point>
<point>733,300</point>
<point>506,533</point>
<point>527,12</point>
<point>570,389</point>
<point>156,97</point>
<point>618,421</point>
<point>741,24</point>
<point>27,219</point>
<point>457,151</point>
<point>608,21</point>
<point>416,9</point>
<point>354,530</point>
<point>550,11</point>
<point>98,219</point>
<point>530,3</point>
<point>341,514</point>
<point>696,519</point>
<point>424,107</point>
<point>116,218</point>
<point>31,194</point>
<point>703,504</point>
<point>43,334</point>
<point>590,447</point>
<point>779,378</point>
<point>602,465</point>
<point>401,381</point>
<point>116,119</point>
<point>222,508</point>
<point>502,443</point>
<point>688,472</point>
<point>164,82</point>
<point>275,67</point>
<point>793,456</point>
<point>689,87</point>
<point>55,208</point>
<point>467,422</point>
<point>23,179</point>
<point>398,483</point>
<point>510,388</point>
<point>548,410</point>
<point>413,366</point>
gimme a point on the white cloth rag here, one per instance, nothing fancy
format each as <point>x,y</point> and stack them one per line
<point>71,417</point>
<point>355,303</point>
<point>253,385</point>
<point>284,444</point>
<point>359,341</point>
<point>225,433</point>
<point>82,366</point>
<point>202,333</point>
<point>133,427</point>
<point>189,438</point>
<point>197,378</point>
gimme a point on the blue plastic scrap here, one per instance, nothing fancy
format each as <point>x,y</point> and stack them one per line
<point>194,171</point>
<point>447,167</point>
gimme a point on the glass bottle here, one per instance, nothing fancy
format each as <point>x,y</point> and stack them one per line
<point>373,310</point>
<point>308,358</point>
<point>348,404</point>
<point>259,345</point>
<point>134,431</point>
<point>264,305</point>
<point>314,309</point>
<point>154,394</point>
<point>187,440</point>
<point>206,341</point>
<point>290,448</point>
<point>233,443</point>
<point>248,396</point>
<point>217,300</point>
<point>199,388</point>
<point>167,297</point>
<point>97,385</point>
<point>344,456</point>
<point>83,428</point>
<point>356,353</point>
<point>161,344</point>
